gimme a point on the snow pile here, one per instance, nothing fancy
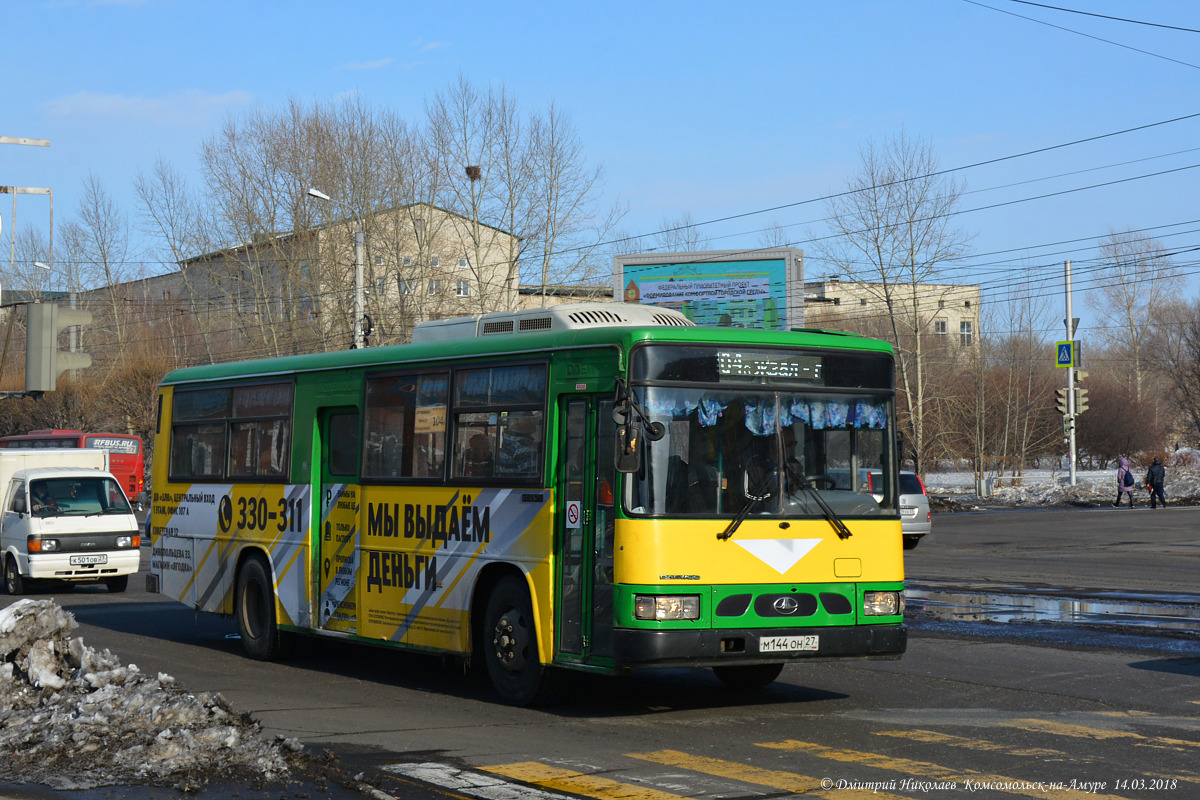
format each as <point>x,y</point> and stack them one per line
<point>72,718</point>
<point>1049,489</point>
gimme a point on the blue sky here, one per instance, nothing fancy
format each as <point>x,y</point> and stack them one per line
<point>708,109</point>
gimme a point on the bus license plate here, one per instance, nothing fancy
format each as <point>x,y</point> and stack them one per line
<point>787,644</point>
<point>89,560</point>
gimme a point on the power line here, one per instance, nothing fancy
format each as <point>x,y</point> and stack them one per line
<point>1105,16</point>
<point>1081,33</point>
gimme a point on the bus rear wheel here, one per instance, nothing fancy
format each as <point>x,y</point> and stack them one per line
<point>509,644</point>
<point>752,676</point>
<point>14,584</point>
<point>255,599</point>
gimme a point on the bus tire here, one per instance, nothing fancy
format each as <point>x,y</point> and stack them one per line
<point>509,644</point>
<point>118,584</point>
<point>14,584</point>
<point>751,676</point>
<point>255,610</point>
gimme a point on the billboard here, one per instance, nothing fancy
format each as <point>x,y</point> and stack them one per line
<point>757,289</point>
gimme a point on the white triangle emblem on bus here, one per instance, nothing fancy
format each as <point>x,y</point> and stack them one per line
<point>778,554</point>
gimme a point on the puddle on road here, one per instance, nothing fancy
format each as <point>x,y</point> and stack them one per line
<point>1165,613</point>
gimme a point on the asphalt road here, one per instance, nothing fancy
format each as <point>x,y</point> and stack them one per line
<point>994,716</point>
<point>1089,549</point>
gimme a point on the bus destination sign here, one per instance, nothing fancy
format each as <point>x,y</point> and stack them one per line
<point>768,364</point>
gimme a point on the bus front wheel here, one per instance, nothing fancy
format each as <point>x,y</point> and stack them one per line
<point>255,600</point>
<point>14,584</point>
<point>118,584</point>
<point>753,676</point>
<point>509,644</point>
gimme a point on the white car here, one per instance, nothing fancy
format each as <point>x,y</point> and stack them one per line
<point>916,520</point>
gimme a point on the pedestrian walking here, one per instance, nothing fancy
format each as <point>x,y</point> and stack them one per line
<point>1156,478</point>
<point>1125,482</point>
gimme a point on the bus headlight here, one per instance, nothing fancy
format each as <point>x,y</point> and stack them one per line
<point>38,545</point>
<point>129,541</point>
<point>664,607</point>
<point>883,604</point>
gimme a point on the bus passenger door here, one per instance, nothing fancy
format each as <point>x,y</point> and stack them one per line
<point>338,536</point>
<point>585,530</point>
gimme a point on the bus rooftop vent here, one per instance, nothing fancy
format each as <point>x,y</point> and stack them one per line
<point>567,317</point>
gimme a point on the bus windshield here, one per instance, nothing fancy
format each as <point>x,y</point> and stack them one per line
<point>767,427</point>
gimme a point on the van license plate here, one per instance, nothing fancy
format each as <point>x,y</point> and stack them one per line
<point>788,644</point>
<point>89,560</point>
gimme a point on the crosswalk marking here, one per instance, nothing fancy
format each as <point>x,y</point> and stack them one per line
<point>933,737</point>
<point>566,780</point>
<point>1084,732</point>
<point>468,782</point>
<point>936,772</point>
<point>776,779</point>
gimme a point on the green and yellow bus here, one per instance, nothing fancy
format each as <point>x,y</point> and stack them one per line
<point>599,487</point>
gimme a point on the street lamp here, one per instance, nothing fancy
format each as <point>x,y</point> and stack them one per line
<point>359,249</point>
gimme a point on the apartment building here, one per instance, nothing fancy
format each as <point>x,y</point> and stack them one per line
<point>949,313</point>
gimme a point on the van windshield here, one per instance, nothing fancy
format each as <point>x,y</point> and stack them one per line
<point>73,497</point>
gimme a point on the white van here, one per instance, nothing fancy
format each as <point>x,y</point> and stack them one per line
<point>65,518</point>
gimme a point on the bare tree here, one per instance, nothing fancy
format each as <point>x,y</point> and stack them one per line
<point>525,176</point>
<point>681,235</point>
<point>774,235</point>
<point>175,219</point>
<point>96,246</point>
<point>1175,339</point>
<point>1138,278</point>
<point>893,227</point>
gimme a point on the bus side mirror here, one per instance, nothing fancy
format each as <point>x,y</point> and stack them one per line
<point>628,456</point>
<point>631,425</point>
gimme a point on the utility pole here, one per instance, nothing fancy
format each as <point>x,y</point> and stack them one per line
<point>1070,323</point>
<point>359,258</point>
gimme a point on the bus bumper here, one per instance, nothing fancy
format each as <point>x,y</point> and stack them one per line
<point>712,648</point>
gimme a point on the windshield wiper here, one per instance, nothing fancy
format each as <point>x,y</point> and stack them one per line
<point>751,501</point>
<point>842,531</point>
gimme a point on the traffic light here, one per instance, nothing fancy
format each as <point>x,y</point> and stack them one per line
<point>1061,401</point>
<point>1081,404</point>
<point>43,360</point>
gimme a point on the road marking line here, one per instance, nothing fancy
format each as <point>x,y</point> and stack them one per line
<point>933,737</point>
<point>568,780</point>
<point>776,779</point>
<point>925,769</point>
<point>469,783</point>
<point>1084,732</point>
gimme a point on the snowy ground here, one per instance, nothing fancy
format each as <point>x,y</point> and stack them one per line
<point>1041,488</point>
<point>72,718</point>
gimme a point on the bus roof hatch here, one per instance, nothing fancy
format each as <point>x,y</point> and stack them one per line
<point>566,317</point>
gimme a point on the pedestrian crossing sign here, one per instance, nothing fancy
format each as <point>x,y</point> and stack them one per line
<point>1066,354</point>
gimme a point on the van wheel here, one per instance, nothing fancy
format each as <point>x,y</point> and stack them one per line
<point>118,584</point>
<point>509,645</point>
<point>751,676</point>
<point>255,609</point>
<point>911,542</point>
<point>14,584</point>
